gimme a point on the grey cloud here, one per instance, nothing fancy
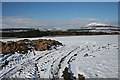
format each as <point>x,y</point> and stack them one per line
<point>23,22</point>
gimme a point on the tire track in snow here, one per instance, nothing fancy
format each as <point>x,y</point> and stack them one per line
<point>62,60</point>
<point>46,60</point>
<point>48,53</point>
<point>18,66</point>
<point>7,72</point>
<point>55,75</point>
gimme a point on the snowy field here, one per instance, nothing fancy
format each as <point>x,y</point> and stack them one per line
<point>92,56</point>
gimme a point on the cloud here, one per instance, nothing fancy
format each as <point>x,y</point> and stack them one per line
<point>20,22</point>
<point>23,22</point>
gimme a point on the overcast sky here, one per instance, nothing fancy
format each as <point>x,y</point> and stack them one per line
<point>58,14</point>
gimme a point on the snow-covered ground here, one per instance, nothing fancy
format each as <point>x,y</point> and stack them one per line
<point>92,56</point>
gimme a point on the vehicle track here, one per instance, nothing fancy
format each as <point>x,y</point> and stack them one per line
<point>55,73</point>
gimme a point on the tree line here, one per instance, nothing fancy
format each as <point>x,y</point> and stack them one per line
<point>38,33</point>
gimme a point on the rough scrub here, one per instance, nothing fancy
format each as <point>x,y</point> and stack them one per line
<point>22,46</point>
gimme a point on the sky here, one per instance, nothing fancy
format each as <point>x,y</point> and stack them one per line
<point>60,0</point>
<point>58,14</point>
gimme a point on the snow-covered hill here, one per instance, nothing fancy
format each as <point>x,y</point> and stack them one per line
<point>100,27</point>
<point>91,56</point>
<point>96,24</point>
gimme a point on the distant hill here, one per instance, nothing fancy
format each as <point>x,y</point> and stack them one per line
<point>91,29</point>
